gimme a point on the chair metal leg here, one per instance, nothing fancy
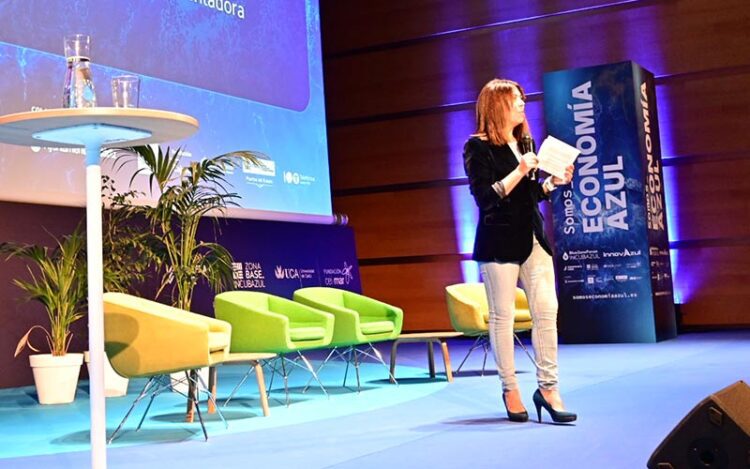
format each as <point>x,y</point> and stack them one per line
<point>312,371</point>
<point>377,356</point>
<point>286,380</point>
<point>347,358</point>
<point>486,347</point>
<point>325,362</point>
<point>159,384</point>
<point>143,393</point>
<point>355,355</point>
<point>145,412</point>
<point>477,343</point>
<point>191,376</point>
<point>518,339</point>
<point>211,399</point>
<point>237,387</point>
<point>272,366</point>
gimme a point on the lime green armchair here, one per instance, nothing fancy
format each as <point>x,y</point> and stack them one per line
<point>360,322</point>
<point>469,313</point>
<point>143,338</point>
<point>267,323</point>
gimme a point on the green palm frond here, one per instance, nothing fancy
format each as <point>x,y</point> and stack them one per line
<point>57,280</point>
<point>186,194</point>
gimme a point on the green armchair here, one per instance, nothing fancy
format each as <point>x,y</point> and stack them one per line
<point>143,338</point>
<point>360,322</point>
<point>267,323</point>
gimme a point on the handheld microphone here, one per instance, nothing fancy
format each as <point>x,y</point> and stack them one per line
<point>525,145</point>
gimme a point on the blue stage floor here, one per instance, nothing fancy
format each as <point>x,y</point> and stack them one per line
<point>628,397</point>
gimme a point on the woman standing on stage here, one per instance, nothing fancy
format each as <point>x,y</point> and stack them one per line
<point>510,242</point>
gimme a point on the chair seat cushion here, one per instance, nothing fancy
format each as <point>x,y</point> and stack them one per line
<point>376,327</point>
<point>306,333</point>
<point>218,341</point>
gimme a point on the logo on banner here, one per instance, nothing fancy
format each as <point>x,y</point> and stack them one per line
<point>298,179</point>
<point>260,175</point>
<point>624,253</point>
<point>248,275</point>
<point>581,255</point>
<point>338,276</point>
<point>293,273</point>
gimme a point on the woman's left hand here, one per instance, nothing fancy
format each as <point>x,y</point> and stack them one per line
<point>568,177</point>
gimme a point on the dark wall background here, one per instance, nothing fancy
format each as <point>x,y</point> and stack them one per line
<point>401,79</point>
<point>33,224</point>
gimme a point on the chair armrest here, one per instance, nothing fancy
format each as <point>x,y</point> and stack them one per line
<point>299,312</point>
<point>217,325</point>
<point>372,308</point>
<point>145,343</point>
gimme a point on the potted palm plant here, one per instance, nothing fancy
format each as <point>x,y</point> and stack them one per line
<point>185,195</point>
<point>57,281</point>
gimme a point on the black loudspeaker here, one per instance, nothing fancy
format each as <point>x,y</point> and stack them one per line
<point>715,434</point>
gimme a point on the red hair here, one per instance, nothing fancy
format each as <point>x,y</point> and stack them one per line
<point>493,106</point>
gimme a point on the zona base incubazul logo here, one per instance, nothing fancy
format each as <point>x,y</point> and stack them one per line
<point>248,275</point>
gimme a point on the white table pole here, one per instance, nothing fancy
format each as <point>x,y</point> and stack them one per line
<point>96,302</point>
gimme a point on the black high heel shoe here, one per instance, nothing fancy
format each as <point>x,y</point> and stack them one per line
<point>558,416</point>
<point>515,416</point>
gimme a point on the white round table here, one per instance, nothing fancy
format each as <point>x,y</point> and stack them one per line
<point>95,128</point>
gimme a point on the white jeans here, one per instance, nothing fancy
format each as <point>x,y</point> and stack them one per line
<point>538,281</point>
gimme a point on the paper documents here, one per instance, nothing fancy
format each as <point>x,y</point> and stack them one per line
<point>555,155</point>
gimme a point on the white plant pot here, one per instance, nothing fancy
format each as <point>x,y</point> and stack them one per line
<point>56,377</point>
<point>114,384</point>
<point>179,383</point>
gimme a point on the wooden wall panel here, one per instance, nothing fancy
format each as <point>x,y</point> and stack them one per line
<point>32,224</point>
<point>413,149</point>
<point>417,288</point>
<point>405,223</point>
<point>705,114</point>
<point>713,200</point>
<point>711,118</point>
<point>354,25</point>
<point>397,151</point>
<point>664,37</point>
<point>713,282</point>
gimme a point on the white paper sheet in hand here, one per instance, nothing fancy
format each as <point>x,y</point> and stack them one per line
<point>555,155</point>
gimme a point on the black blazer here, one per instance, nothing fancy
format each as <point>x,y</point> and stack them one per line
<point>505,226</point>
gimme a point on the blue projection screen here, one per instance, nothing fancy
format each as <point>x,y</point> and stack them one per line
<point>250,71</point>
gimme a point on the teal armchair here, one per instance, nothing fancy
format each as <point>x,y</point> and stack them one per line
<point>267,323</point>
<point>360,322</point>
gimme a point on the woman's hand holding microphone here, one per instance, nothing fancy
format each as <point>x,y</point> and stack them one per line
<point>528,163</point>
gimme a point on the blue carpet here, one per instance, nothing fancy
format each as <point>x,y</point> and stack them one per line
<point>628,396</point>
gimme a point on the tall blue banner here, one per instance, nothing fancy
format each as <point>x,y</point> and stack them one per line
<point>611,246</point>
<point>280,257</point>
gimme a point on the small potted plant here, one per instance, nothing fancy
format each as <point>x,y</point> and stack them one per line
<point>58,281</point>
